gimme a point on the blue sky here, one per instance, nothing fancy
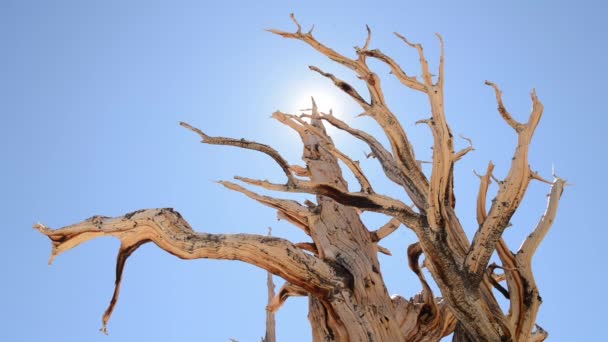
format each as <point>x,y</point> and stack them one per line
<point>91,94</point>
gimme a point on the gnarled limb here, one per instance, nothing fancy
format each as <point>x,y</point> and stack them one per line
<point>242,143</point>
<point>290,210</point>
<point>522,291</point>
<point>388,163</point>
<point>441,192</point>
<point>370,202</point>
<point>339,269</point>
<point>423,317</point>
<point>529,299</point>
<point>168,230</point>
<point>303,128</point>
<point>377,109</point>
<point>510,193</point>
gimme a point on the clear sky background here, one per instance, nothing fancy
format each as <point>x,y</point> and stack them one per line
<point>91,93</point>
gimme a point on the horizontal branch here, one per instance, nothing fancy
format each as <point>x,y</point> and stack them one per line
<point>168,230</point>
<point>370,202</point>
<point>290,210</point>
<point>242,143</point>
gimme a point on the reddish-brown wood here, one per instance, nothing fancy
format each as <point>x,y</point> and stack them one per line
<point>338,269</point>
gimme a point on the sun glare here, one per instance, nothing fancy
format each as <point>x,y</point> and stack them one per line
<point>297,100</point>
<point>325,101</point>
<point>326,96</point>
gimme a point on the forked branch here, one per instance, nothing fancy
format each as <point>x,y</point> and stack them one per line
<point>510,193</point>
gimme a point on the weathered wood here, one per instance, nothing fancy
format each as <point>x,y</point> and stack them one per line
<point>338,269</point>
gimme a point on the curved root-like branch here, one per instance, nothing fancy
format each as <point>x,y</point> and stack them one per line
<point>169,231</point>
<point>413,253</point>
<point>423,317</point>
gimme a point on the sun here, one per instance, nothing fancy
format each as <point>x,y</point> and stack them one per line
<point>327,98</point>
<point>297,100</point>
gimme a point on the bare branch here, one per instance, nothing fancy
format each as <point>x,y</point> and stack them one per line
<point>345,87</point>
<point>386,119</point>
<point>391,169</point>
<point>502,110</point>
<point>308,246</point>
<point>168,230</point>
<point>290,210</point>
<point>368,39</point>
<point>534,239</point>
<point>386,230</point>
<point>384,250</point>
<point>408,81</point>
<point>299,171</point>
<point>485,181</point>
<point>539,334</point>
<point>310,40</point>
<point>329,146</point>
<point>441,77</point>
<point>287,290</point>
<point>353,166</point>
<point>510,194</point>
<point>426,74</point>
<point>242,143</point>
<point>465,150</point>
<point>369,202</point>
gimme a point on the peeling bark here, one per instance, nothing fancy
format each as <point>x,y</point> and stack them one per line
<point>338,269</point>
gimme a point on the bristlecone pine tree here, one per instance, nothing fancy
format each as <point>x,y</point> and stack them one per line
<point>338,270</point>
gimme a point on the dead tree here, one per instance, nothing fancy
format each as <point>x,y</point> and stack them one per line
<point>338,269</point>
